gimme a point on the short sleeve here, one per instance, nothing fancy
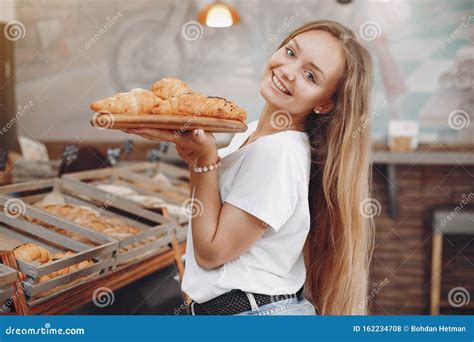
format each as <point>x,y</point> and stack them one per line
<point>266,184</point>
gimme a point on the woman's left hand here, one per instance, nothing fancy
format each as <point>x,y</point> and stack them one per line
<point>195,147</point>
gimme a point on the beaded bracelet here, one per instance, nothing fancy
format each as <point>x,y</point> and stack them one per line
<point>201,169</point>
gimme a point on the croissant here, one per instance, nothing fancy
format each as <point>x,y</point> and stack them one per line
<point>30,252</point>
<point>167,88</point>
<point>136,101</point>
<point>200,105</point>
<point>88,218</point>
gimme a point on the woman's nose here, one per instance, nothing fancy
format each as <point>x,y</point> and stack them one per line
<point>288,72</point>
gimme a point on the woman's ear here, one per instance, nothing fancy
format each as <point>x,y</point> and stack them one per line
<point>324,108</point>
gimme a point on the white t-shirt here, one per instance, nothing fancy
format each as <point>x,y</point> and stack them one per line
<point>268,178</point>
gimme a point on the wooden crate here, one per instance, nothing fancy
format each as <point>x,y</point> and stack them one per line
<point>18,232</point>
<point>152,227</point>
<point>141,174</point>
<point>119,176</point>
<point>7,278</point>
<point>152,224</point>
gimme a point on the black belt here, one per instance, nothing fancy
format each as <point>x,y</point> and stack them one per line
<point>236,301</point>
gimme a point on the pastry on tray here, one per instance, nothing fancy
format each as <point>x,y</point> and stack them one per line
<point>170,96</point>
<point>136,101</point>
<point>87,217</point>
<point>29,252</point>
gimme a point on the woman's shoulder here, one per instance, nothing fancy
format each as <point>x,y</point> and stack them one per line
<point>291,142</point>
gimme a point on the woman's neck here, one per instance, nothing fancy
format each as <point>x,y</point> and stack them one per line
<point>271,121</point>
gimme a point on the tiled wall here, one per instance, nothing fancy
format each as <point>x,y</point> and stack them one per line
<point>77,51</point>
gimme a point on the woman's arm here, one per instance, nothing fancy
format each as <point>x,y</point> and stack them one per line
<point>221,233</point>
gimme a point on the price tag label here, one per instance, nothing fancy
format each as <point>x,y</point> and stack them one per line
<point>127,146</point>
<point>113,155</point>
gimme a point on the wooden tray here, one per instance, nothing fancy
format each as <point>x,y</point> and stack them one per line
<point>174,122</point>
<point>150,226</point>
<point>25,232</point>
<point>86,181</point>
<point>141,175</point>
<point>121,176</point>
<point>7,278</point>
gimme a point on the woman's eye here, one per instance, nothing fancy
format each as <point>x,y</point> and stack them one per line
<point>290,52</point>
<point>310,76</point>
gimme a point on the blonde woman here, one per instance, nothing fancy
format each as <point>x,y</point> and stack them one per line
<point>297,175</point>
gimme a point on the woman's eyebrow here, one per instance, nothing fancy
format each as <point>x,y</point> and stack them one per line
<point>310,63</point>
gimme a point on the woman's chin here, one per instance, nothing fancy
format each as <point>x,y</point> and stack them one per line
<point>269,96</point>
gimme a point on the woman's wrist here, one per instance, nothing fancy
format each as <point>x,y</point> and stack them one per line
<point>206,163</point>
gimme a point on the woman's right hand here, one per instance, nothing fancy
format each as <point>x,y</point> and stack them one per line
<point>187,155</point>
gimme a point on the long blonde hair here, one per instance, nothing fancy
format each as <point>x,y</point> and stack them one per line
<point>340,242</point>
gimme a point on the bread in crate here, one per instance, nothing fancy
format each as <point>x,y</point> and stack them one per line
<point>30,253</point>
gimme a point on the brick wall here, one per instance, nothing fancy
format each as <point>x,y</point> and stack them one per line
<point>403,245</point>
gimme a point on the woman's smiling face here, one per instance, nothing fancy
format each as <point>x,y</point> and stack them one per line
<point>303,74</point>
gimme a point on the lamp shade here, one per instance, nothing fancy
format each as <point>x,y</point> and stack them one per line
<point>218,14</point>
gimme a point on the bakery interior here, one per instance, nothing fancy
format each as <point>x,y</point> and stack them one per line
<point>57,170</point>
